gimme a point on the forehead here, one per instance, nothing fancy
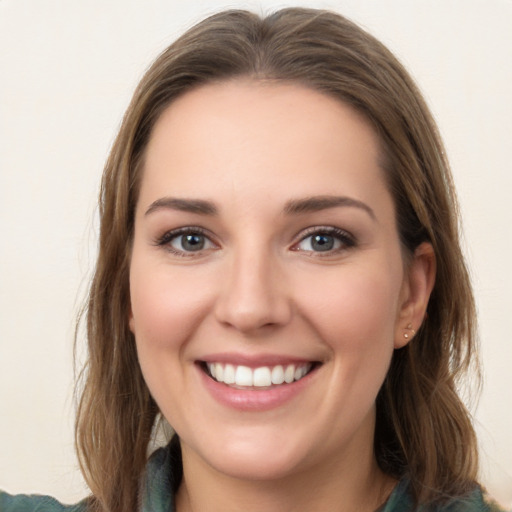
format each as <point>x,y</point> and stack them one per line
<point>250,136</point>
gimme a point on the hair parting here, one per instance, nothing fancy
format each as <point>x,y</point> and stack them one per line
<point>423,429</point>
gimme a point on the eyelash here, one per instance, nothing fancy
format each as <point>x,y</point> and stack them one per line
<point>169,236</point>
<point>345,239</point>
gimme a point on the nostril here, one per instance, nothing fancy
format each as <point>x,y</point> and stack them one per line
<point>253,313</point>
<point>248,321</point>
<point>253,295</point>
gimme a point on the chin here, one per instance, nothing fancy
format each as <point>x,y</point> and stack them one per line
<point>261,467</point>
<point>253,459</point>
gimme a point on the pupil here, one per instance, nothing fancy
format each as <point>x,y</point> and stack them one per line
<point>322,242</point>
<point>192,242</point>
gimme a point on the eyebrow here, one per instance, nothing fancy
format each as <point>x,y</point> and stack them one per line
<point>198,206</point>
<point>318,203</point>
<point>293,207</point>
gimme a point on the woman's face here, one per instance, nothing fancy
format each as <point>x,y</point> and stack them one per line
<point>266,257</point>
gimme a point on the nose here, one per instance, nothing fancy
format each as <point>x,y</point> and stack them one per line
<point>253,293</point>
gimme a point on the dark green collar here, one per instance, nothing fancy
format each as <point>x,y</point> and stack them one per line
<point>164,473</point>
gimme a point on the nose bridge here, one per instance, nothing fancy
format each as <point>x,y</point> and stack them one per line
<point>253,294</point>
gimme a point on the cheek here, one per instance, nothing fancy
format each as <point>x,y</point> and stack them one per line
<point>355,311</point>
<point>354,314</point>
<point>165,306</point>
<point>166,309</point>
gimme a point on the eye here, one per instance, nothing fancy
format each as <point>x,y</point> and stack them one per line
<point>325,240</point>
<point>191,242</point>
<point>186,241</point>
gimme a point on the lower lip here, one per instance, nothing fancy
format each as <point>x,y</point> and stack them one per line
<point>255,399</point>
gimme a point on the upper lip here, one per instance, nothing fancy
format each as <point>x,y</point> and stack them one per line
<point>254,360</point>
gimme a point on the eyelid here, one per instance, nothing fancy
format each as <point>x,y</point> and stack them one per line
<point>166,239</point>
<point>347,239</point>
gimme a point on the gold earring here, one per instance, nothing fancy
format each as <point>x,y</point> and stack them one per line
<point>409,328</point>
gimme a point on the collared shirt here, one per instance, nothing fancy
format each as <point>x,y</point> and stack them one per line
<point>164,473</point>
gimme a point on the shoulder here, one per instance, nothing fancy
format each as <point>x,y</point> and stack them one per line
<point>476,501</point>
<point>163,476</point>
<point>36,503</point>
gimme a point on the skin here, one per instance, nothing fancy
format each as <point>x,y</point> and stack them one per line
<point>259,286</point>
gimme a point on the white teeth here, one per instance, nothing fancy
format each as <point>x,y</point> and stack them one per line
<point>277,375</point>
<point>243,376</point>
<point>289,373</point>
<point>263,376</point>
<point>219,372</point>
<point>229,374</point>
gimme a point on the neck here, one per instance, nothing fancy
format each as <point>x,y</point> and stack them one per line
<point>354,483</point>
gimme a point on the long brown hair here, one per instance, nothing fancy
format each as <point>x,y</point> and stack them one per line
<point>423,430</point>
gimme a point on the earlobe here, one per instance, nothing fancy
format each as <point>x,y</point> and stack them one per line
<point>418,285</point>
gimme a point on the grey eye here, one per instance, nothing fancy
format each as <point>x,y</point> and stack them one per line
<point>190,242</point>
<point>320,242</point>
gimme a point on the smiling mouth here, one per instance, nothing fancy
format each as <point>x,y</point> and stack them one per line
<point>263,377</point>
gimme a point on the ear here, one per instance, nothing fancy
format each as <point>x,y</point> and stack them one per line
<point>419,279</point>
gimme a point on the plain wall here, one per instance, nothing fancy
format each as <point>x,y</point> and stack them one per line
<point>67,71</point>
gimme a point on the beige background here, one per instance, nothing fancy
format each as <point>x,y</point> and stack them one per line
<point>67,70</point>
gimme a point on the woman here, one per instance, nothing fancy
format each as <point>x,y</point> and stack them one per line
<point>276,277</point>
